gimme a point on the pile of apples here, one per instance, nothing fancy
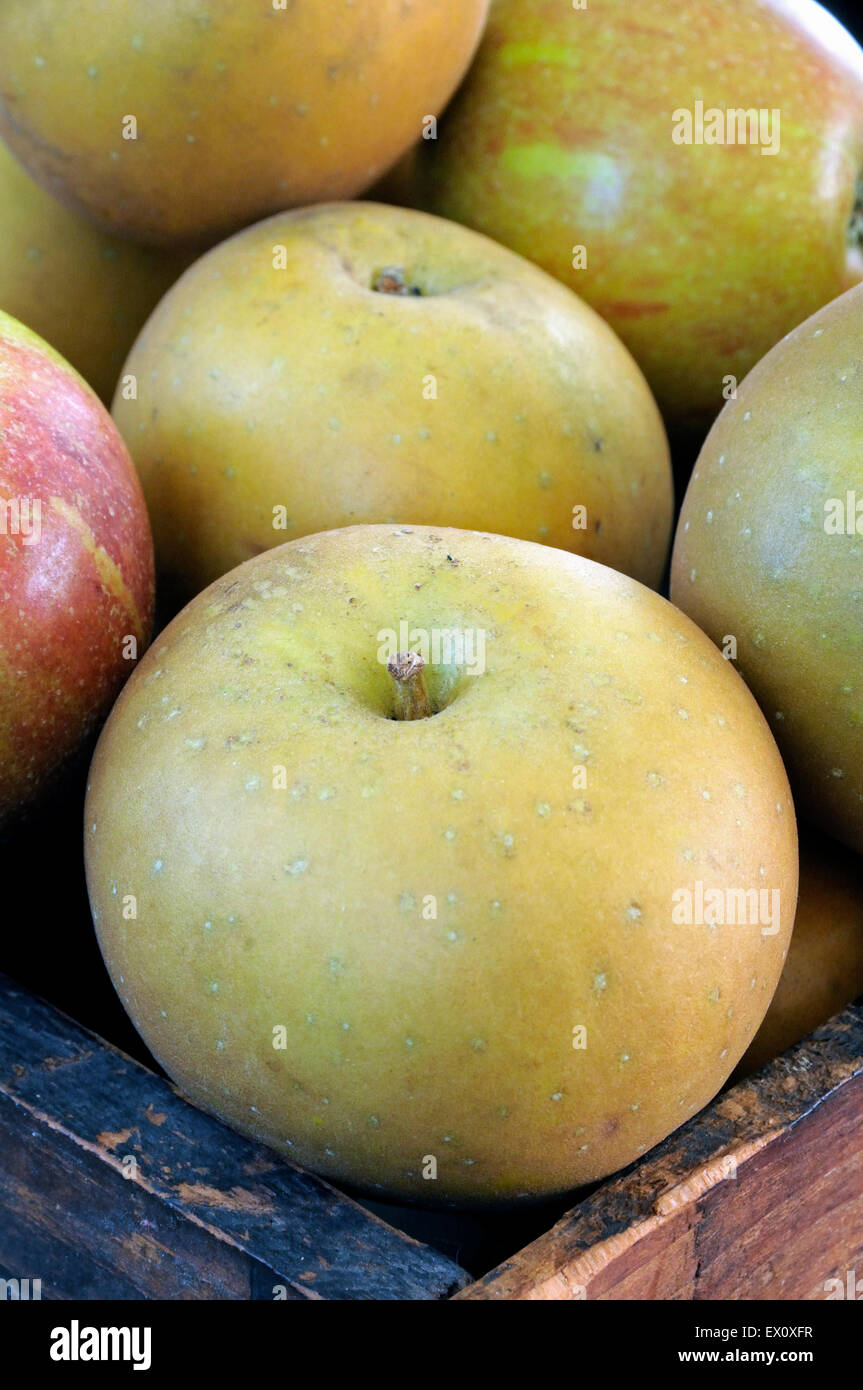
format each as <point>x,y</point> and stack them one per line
<point>428,843</point>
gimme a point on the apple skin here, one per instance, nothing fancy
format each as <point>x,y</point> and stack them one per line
<point>83,292</point>
<point>752,558</point>
<point>824,968</point>
<point>296,899</point>
<point>303,387</point>
<point>69,600</point>
<point>699,256</point>
<point>242,109</point>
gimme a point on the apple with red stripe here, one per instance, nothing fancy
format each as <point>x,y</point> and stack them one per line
<point>76,563</point>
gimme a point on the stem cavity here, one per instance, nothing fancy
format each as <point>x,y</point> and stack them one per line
<point>391,280</point>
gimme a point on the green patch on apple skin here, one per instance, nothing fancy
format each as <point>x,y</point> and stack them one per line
<point>519,55</point>
<point>553,161</point>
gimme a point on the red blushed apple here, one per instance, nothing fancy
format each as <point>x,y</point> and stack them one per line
<point>76,563</point>
<point>578,139</point>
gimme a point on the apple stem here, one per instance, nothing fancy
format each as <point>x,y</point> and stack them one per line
<point>409,687</point>
<point>391,280</point>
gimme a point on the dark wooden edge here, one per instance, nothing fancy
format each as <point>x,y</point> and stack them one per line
<point>775,1153</point>
<point>118,1187</point>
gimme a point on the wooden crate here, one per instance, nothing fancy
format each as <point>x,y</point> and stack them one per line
<point>113,1186</point>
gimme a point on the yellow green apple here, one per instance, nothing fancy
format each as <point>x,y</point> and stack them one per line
<point>768,557</point>
<point>361,363</point>
<point>587,137</point>
<point>179,122</point>
<point>85,293</point>
<point>824,968</point>
<point>448,864</point>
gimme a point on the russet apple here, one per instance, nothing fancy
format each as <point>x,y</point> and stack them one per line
<point>768,557</point>
<point>175,122</point>
<point>76,563</point>
<point>361,363</point>
<point>85,293</point>
<point>448,864</point>
<point>824,968</point>
<point>567,142</point>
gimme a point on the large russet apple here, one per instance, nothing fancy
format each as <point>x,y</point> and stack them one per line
<point>447,864</point>
<point>769,553</point>
<point>76,563</point>
<point>85,293</point>
<point>175,122</point>
<point>361,363</point>
<point>700,255</point>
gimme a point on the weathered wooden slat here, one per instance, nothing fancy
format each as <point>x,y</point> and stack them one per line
<point>758,1197</point>
<point>112,1185</point>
